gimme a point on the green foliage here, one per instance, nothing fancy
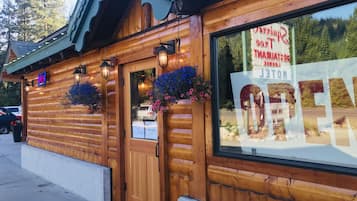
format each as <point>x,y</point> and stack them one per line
<point>24,17</point>
<point>231,128</point>
<point>8,27</point>
<point>48,16</point>
<point>351,36</point>
<point>225,68</point>
<point>315,39</point>
<point>26,20</point>
<point>30,20</point>
<point>10,93</point>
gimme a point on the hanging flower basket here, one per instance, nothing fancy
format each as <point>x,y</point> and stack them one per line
<point>179,84</point>
<point>84,94</point>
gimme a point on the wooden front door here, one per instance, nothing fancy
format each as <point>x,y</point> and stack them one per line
<point>141,133</point>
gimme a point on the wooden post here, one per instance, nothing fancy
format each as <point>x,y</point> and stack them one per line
<point>24,106</point>
<point>104,123</point>
<point>199,190</point>
<point>164,179</point>
<point>119,97</point>
<point>163,159</point>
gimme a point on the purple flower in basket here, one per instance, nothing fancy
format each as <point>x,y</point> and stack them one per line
<point>179,84</point>
<point>84,94</point>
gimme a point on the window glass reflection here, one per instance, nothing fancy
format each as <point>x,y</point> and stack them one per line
<point>288,89</point>
<point>143,119</point>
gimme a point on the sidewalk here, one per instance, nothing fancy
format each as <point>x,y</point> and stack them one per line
<point>17,184</point>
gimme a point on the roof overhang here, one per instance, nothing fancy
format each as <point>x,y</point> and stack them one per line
<point>80,22</point>
<point>162,8</point>
<point>36,55</point>
<point>91,25</point>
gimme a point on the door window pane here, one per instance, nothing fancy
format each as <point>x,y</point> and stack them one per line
<point>143,119</point>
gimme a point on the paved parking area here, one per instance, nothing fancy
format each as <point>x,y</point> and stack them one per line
<point>17,184</point>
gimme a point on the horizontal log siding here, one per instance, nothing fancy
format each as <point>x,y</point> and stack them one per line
<point>71,131</point>
<point>180,159</point>
<point>54,125</point>
<point>232,179</point>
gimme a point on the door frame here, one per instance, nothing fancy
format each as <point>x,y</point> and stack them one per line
<point>161,126</point>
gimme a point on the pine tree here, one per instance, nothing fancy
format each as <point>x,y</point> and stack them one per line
<point>225,68</point>
<point>24,21</point>
<point>8,26</point>
<point>47,16</point>
<point>324,46</point>
<point>10,93</point>
<point>351,36</point>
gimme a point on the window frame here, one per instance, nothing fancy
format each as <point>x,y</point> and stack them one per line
<point>233,152</point>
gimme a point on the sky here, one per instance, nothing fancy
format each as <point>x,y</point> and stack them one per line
<point>68,4</point>
<point>343,12</point>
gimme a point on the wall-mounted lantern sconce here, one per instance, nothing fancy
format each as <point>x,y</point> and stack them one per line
<point>79,72</point>
<point>106,65</point>
<point>28,85</point>
<point>163,51</point>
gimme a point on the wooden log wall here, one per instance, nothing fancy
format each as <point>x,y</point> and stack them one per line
<point>54,125</point>
<point>180,156</point>
<point>193,170</point>
<point>233,179</point>
<point>97,137</point>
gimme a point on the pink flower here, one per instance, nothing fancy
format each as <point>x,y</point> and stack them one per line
<point>167,97</point>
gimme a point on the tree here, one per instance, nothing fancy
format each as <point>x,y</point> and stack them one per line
<point>8,26</point>
<point>25,24</point>
<point>324,46</point>
<point>351,36</point>
<point>225,68</point>
<point>47,16</point>
<point>10,93</point>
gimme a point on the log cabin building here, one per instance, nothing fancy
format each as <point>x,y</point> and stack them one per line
<point>280,125</point>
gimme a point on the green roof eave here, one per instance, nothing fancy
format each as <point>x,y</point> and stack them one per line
<point>39,54</point>
<point>80,23</point>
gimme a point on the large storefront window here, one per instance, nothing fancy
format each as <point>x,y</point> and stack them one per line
<point>287,91</point>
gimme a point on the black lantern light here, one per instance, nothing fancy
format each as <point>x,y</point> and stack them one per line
<point>28,85</point>
<point>163,51</point>
<point>106,66</point>
<point>79,72</point>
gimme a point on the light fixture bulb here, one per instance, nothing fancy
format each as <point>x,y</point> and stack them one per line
<point>105,72</point>
<point>77,77</point>
<point>163,58</point>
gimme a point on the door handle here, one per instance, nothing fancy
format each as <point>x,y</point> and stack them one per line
<point>157,150</point>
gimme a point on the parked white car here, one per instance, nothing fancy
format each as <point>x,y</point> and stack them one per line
<point>16,110</point>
